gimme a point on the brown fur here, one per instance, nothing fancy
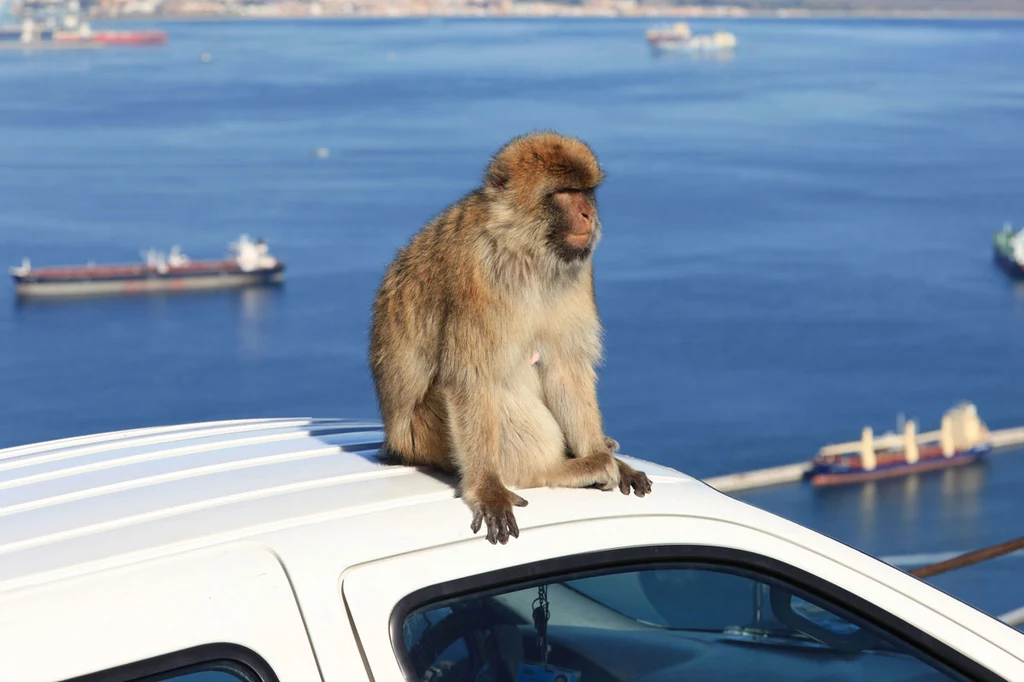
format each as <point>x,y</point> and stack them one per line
<point>501,273</point>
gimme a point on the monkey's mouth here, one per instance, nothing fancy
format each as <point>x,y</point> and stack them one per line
<point>579,238</point>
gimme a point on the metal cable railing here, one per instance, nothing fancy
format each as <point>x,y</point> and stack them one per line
<point>1013,618</point>
<point>969,558</point>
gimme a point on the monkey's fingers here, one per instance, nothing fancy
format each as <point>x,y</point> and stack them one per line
<point>478,518</point>
<point>518,501</point>
<point>496,530</point>
<point>510,520</point>
<point>501,526</point>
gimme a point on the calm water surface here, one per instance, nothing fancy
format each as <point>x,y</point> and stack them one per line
<point>796,239</point>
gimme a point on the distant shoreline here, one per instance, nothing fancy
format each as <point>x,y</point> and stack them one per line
<point>782,15</point>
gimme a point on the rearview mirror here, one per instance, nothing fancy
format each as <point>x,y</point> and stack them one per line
<point>817,623</point>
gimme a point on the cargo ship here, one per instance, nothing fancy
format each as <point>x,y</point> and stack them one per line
<point>70,34</point>
<point>248,264</point>
<point>962,439</point>
<point>146,37</point>
<point>1008,250</point>
<point>86,36</point>
<point>679,37</point>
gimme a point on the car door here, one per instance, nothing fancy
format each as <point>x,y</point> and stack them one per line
<point>212,615</point>
<point>660,598</point>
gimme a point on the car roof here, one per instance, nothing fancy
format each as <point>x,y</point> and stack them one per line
<point>82,505</point>
<point>78,501</point>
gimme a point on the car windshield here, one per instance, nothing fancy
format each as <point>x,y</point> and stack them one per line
<point>663,622</point>
<point>705,600</point>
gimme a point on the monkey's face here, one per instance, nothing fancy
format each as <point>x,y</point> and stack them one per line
<point>573,226</point>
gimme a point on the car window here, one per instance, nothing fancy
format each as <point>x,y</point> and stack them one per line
<point>665,622</point>
<point>206,676</point>
<point>211,671</point>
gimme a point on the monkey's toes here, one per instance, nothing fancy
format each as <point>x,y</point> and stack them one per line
<point>611,444</point>
<point>638,481</point>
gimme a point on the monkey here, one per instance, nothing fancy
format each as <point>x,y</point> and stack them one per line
<point>485,336</point>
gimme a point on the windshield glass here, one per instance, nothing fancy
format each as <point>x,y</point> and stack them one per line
<point>708,599</point>
<point>664,622</point>
<point>677,599</point>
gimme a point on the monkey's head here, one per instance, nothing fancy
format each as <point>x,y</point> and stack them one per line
<point>546,182</point>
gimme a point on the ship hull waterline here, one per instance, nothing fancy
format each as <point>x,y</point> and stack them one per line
<point>821,477</point>
<point>147,285</point>
<point>1010,266</point>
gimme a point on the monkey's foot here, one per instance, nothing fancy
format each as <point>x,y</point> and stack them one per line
<point>495,508</point>
<point>606,471</point>
<point>631,478</point>
<point>611,444</point>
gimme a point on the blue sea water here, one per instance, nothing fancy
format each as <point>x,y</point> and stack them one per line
<point>796,239</point>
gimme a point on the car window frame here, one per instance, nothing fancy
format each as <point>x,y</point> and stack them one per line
<point>182,662</point>
<point>528,575</point>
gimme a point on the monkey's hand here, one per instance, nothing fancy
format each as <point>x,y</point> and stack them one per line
<point>631,478</point>
<point>494,505</point>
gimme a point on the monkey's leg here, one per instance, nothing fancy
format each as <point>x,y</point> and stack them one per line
<point>533,449</point>
<point>429,434</point>
<point>583,472</point>
<point>475,426</point>
<point>415,425</point>
<point>531,440</point>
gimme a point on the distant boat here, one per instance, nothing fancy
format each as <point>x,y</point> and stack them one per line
<point>147,37</point>
<point>83,33</point>
<point>72,34</point>
<point>25,33</point>
<point>1008,250</point>
<point>679,37</point>
<point>962,439</point>
<point>250,264</point>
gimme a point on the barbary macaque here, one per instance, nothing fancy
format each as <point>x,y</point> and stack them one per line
<point>485,337</point>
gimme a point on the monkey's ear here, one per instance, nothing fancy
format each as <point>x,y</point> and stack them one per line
<point>497,176</point>
<point>498,172</point>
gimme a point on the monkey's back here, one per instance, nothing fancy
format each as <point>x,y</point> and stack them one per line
<point>418,293</point>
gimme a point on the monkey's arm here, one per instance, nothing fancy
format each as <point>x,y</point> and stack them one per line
<point>570,391</point>
<point>572,349</point>
<point>472,392</point>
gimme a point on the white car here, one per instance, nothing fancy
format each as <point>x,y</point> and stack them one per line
<point>283,550</point>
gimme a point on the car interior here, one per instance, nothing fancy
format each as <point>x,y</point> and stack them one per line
<point>655,624</point>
